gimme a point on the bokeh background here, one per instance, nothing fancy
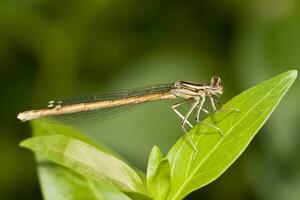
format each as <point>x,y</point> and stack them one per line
<point>56,49</point>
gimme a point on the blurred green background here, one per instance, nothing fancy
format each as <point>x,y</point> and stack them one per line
<point>56,49</point>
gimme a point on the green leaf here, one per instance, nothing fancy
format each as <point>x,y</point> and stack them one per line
<point>158,175</point>
<point>137,196</point>
<point>215,152</point>
<point>60,183</point>
<point>159,186</point>
<point>86,160</point>
<point>153,162</point>
<point>43,128</point>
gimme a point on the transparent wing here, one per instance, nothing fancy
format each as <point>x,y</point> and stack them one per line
<point>103,113</point>
<point>91,116</point>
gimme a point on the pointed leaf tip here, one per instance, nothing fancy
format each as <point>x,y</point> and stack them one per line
<point>217,153</point>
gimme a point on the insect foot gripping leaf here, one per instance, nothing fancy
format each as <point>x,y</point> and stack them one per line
<point>216,153</point>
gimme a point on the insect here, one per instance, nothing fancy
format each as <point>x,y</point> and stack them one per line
<point>106,105</point>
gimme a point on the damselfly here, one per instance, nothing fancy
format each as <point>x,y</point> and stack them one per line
<point>106,105</point>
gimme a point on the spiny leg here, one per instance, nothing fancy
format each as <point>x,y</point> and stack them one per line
<point>213,103</point>
<point>222,109</point>
<point>184,122</point>
<point>200,105</point>
<point>178,113</point>
<point>205,123</point>
<point>213,126</point>
<point>216,111</point>
<point>190,140</point>
<point>190,111</point>
<point>204,110</point>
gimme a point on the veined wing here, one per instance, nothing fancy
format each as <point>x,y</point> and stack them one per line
<point>104,113</point>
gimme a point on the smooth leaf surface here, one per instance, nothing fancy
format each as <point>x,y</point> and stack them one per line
<point>60,183</point>
<point>138,196</point>
<point>44,128</point>
<point>159,186</point>
<point>86,160</point>
<point>158,175</point>
<point>215,152</point>
<point>154,160</point>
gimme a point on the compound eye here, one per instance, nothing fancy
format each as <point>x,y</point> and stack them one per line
<point>215,81</point>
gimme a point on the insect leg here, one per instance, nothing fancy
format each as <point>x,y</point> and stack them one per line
<point>190,111</point>
<point>222,109</point>
<point>200,105</point>
<point>204,110</point>
<point>178,113</point>
<point>213,104</point>
<point>213,126</point>
<point>190,141</point>
<point>184,122</point>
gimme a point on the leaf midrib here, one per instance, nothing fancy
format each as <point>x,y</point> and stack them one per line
<point>92,169</point>
<point>235,151</point>
<point>206,157</point>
